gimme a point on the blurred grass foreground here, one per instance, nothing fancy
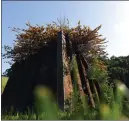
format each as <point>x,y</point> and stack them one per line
<point>47,109</point>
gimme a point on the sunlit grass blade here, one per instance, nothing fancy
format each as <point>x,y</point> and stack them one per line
<point>45,105</point>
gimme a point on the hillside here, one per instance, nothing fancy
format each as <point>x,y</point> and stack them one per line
<point>3,82</point>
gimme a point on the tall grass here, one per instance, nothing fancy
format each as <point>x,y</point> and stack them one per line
<point>46,108</point>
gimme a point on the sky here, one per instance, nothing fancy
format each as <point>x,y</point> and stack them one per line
<point>113,15</point>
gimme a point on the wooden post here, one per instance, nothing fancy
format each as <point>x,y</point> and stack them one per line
<point>75,77</point>
<point>60,87</point>
<point>64,82</point>
<point>83,74</point>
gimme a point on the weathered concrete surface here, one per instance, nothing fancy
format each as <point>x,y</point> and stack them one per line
<point>38,69</point>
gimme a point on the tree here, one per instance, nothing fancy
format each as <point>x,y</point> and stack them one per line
<point>7,72</point>
<point>118,68</point>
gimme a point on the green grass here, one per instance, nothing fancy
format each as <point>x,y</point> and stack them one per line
<point>3,82</point>
<point>46,108</point>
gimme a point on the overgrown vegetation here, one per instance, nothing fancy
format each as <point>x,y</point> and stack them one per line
<point>28,41</point>
<point>104,98</point>
<point>46,107</point>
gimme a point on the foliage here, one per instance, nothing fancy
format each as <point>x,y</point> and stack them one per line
<point>98,71</point>
<point>118,68</point>
<point>108,95</point>
<point>29,41</point>
<point>7,72</point>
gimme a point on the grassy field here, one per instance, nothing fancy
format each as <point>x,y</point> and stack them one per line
<point>3,82</point>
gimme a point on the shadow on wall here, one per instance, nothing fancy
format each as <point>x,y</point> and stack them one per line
<point>38,69</point>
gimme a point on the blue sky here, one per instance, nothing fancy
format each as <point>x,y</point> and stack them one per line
<point>113,15</point>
